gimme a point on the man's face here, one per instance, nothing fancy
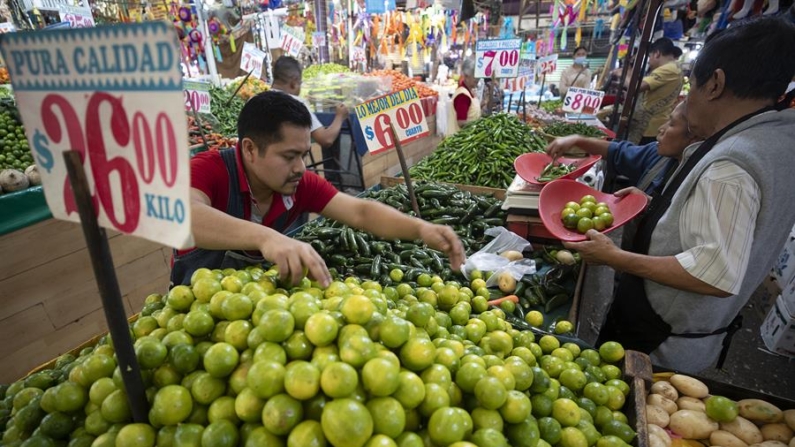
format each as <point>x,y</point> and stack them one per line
<point>696,109</point>
<point>673,136</point>
<point>654,60</point>
<point>281,167</point>
<point>470,81</point>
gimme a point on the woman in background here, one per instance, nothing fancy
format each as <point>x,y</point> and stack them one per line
<point>578,75</point>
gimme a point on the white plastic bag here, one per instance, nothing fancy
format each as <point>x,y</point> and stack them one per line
<point>488,259</point>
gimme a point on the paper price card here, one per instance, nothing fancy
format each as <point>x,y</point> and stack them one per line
<point>196,95</point>
<point>292,40</point>
<point>548,64</point>
<point>77,17</point>
<point>497,58</point>
<point>582,100</point>
<point>114,95</point>
<point>403,109</point>
<point>251,60</point>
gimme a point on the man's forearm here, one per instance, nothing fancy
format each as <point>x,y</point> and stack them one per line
<point>389,223</point>
<point>215,230</point>
<point>664,270</point>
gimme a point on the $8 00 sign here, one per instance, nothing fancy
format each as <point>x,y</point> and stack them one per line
<point>402,109</point>
<point>582,100</point>
<point>129,130</point>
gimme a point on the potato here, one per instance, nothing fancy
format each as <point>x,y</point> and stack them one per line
<point>725,439</point>
<point>691,403</point>
<point>760,411</point>
<point>656,441</point>
<point>689,386</point>
<point>692,424</point>
<point>665,389</point>
<point>663,402</point>
<point>789,418</point>
<point>655,430</point>
<point>657,416</point>
<point>777,432</point>
<point>512,255</point>
<point>743,429</point>
<point>506,282</point>
<point>769,444</point>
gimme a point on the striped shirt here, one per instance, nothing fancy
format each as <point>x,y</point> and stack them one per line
<point>717,226</point>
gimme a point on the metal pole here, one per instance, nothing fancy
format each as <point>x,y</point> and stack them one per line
<point>620,96</point>
<point>321,19</point>
<point>105,275</point>
<point>405,168</point>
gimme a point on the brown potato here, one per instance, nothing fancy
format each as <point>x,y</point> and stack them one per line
<point>663,402</point>
<point>743,429</point>
<point>692,424</point>
<point>789,419</point>
<point>665,389</point>
<point>657,416</point>
<point>769,444</point>
<point>776,432</point>
<point>691,403</point>
<point>689,386</point>
<point>760,411</point>
<point>656,430</point>
<point>725,439</point>
<point>656,441</point>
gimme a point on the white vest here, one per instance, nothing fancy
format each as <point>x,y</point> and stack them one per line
<point>473,113</point>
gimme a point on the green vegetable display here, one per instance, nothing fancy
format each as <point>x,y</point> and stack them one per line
<point>350,251</point>
<point>565,129</point>
<point>552,106</point>
<point>226,114</point>
<point>14,150</point>
<point>314,71</point>
<point>481,153</point>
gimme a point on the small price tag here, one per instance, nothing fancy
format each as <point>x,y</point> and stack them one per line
<point>77,17</point>
<point>402,108</point>
<point>359,55</point>
<point>292,40</point>
<point>7,27</point>
<point>319,39</point>
<point>114,95</point>
<point>497,57</point>
<point>516,84</point>
<point>548,64</point>
<point>582,100</point>
<point>252,59</point>
<point>197,95</point>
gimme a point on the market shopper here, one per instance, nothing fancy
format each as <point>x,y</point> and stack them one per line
<point>578,75</point>
<point>243,198</point>
<point>465,101</point>
<point>660,91</point>
<point>708,240</point>
<point>287,77</point>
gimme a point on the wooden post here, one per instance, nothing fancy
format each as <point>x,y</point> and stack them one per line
<point>404,167</point>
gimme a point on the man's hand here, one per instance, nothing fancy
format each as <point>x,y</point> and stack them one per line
<point>560,146</point>
<point>597,250</point>
<point>444,239</point>
<point>342,110</point>
<point>631,190</point>
<point>292,256</point>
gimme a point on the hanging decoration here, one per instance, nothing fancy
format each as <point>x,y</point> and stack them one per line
<point>190,35</point>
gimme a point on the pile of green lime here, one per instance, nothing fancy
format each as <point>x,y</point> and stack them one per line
<point>237,359</point>
<point>586,215</point>
<point>14,150</point>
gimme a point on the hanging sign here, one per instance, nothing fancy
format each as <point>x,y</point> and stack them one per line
<point>114,95</point>
<point>548,64</point>
<point>517,84</point>
<point>403,109</point>
<point>497,58</point>
<point>292,40</point>
<point>359,55</point>
<point>582,100</point>
<point>196,95</point>
<point>319,39</point>
<point>251,59</point>
<point>7,27</point>
<point>77,17</point>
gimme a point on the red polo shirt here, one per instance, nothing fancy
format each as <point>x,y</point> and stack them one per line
<point>209,175</point>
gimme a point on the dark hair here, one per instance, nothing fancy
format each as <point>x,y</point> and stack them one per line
<point>713,35</point>
<point>263,115</point>
<point>750,55</point>
<point>578,49</point>
<point>286,69</point>
<point>666,47</point>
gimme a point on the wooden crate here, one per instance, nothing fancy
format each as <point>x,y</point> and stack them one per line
<point>387,182</point>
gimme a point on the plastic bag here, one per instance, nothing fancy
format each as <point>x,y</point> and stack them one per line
<point>489,260</point>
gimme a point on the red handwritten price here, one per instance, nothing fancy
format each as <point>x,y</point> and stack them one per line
<point>548,65</point>
<point>581,100</point>
<point>252,59</point>
<point>402,109</point>
<point>405,119</point>
<point>153,141</point>
<point>497,58</point>
<point>78,20</point>
<point>196,95</point>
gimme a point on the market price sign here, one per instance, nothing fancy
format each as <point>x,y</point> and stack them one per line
<point>582,100</point>
<point>548,64</point>
<point>251,60</point>
<point>403,109</point>
<point>319,39</point>
<point>114,95</point>
<point>196,95</point>
<point>292,40</point>
<point>497,58</point>
<point>77,17</point>
<point>7,27</point>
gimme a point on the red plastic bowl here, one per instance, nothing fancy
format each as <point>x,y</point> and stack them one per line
<point>555,196</point>
<point>529,166</point>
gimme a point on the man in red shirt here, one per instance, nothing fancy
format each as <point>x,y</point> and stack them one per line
<point>243,199</point>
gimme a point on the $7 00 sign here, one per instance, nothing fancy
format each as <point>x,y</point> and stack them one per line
<point>129,129</point>
<point>402,109</point>
<point>497,58</point>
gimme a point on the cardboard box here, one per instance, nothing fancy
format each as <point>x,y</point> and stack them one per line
<point>788,294</point>
<point>765,297</point>
<point>784,269</point>
<point>778,329</point>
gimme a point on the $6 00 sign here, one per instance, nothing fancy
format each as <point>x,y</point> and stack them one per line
<point>114,95</point>
<point>401,109</point>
